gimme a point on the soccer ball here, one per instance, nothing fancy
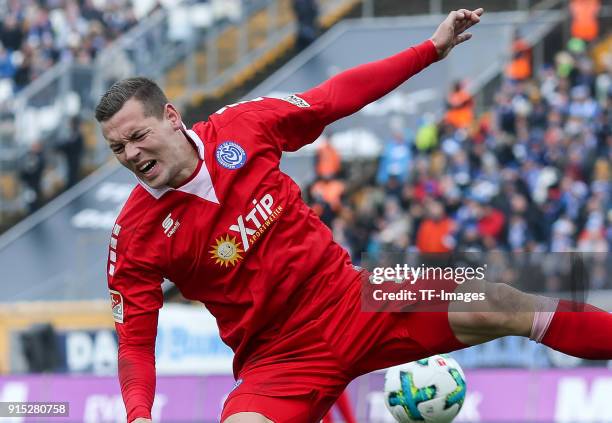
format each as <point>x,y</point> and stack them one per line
<point>428,390</point>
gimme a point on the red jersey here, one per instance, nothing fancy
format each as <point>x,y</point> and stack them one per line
<point>237,235</point>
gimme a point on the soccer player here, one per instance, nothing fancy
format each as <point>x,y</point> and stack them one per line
<point>213,213</point>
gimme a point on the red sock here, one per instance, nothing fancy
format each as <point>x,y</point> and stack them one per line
<point>581,330</point>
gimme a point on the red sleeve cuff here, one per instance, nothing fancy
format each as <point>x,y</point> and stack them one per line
<point>139,412</point>
<point>427,51</point>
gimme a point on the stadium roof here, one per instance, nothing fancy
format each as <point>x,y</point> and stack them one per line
<point>59,252</point>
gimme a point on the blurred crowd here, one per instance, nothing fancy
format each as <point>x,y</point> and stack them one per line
<point>531,175</point>
<point>36,34</point>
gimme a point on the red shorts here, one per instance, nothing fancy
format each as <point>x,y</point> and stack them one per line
<point>299,377</point>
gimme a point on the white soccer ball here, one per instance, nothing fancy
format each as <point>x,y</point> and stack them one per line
<point>428,390</point>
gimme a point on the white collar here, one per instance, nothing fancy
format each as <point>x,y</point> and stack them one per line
<point>201,185</point>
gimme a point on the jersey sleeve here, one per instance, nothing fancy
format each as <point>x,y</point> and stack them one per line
<point>136,297</point>
<point>300,118</point>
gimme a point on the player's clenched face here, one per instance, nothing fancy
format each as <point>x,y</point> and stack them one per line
<point>156,150</point>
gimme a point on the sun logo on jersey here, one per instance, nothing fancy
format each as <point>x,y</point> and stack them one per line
<point>226,251</point>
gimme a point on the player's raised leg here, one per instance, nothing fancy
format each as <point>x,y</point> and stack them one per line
<point>578,329</point>
<point>506,311</point>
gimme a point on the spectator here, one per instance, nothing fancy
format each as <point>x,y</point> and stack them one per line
<point>327,159</point>
<point>519,68</point>
<point>11,34</point>
<point>460,107</point>
<point>593,236</point>
<point>395,227</point>
<point>563,231</point>
<point>582,105</point>
<point>436,231</point>
<point>584,19</point>
<point>7,68</point>
<point>330,191</point>
<point>518,233</point>
<point>71,147</point>
<point>307,15</point>
<point>491,222</point>
<point>469,239</point>
<point>504,112</point>
<point>396,156</point>
<point>23,72</point>
<point>426,138</point>
<point>322,208</point>
<point>31,172</point>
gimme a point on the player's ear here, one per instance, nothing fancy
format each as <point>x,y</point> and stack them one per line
<point>173,116</point>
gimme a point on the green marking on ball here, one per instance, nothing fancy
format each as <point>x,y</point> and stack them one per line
<point>409,397</point>
<point>458,394</point>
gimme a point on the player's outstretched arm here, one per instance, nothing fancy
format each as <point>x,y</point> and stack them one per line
<point>349,91</point>
<point>451,31</point>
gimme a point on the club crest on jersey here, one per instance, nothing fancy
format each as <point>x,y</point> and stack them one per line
<point>226,251</point>
<point>230,155</point>
<point>117,306</point>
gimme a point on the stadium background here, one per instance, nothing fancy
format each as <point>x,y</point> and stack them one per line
<point>536,178</point>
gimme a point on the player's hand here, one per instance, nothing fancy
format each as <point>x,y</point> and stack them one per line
<point>450,32</point>
<point>141,420</point>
